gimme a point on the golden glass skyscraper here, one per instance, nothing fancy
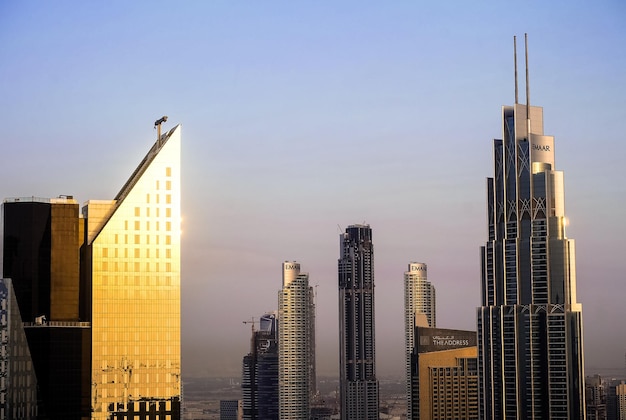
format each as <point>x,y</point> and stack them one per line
<point>132,262</point>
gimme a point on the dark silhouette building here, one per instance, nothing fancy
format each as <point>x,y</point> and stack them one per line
<point>41,245</point>
<point>357,357</point>
<point>18,382</point>
<point>259,384</point>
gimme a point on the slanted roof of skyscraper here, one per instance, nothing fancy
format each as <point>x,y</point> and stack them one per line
<point>143,165</point>
<point>136,175</point>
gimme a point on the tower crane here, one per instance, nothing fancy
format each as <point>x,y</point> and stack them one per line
<point>252,322</point>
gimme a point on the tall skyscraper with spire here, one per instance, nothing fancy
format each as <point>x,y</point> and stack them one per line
<point>357,358</point>
<point>530,350</point>
<point>294,343</point>
<point>419,301</point>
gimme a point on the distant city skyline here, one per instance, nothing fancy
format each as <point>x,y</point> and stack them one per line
<point>302,117</point>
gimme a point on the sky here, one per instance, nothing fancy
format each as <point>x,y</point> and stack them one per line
<point>301,118</point>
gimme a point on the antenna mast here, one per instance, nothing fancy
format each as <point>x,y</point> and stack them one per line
<point>515,63</point>
<point>157,125</point>
<point>527,87</point>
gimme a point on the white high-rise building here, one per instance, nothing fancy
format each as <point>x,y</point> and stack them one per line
<point>419,302</point>
<point>294,343</point>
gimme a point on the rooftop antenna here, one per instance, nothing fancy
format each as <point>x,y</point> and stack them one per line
<point>157,125</point>
<point>527,87</point>
<point>515,61</point>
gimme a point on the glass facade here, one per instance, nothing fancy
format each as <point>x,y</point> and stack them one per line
<point>18,383</point>
<point>41,243</point>
<point>530,324</point>
<point>41,255</point>
<point>267,367</point>
<point>133,248</point>
<point>259,383</point>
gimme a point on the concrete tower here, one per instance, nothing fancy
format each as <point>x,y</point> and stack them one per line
<point>419,301</point>
<point>294,343</point>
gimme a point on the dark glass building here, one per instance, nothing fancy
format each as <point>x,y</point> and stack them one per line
<point>357,357</point>
<point>530,351</point>
<point>259,384</point>
<point>41,245</point>
<point>18,382</point>
<point>41,254</point>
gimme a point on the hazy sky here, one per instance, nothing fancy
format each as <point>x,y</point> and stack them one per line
<point>300,118</point>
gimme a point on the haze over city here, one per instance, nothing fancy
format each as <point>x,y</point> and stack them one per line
<point>301,119</point>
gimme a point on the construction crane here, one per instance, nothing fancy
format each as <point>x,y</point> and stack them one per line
<point>252,322</point>
<point>252,346</point>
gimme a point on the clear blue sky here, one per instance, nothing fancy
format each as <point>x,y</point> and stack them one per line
<point>303,117</point>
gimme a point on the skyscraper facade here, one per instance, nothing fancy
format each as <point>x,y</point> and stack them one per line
<point>132,260</point>
<point>259,382</point>
<point>595,398</point>
<point>312,358</point>
<point>357,357</point>
<point>530,351</point>
<point>41,254</point>
<point>18,382</point>
<point>267,366</point>
<point>444,374</point>
<point>99,293</point>
<point>419,298</point>
<point>294,343</point>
